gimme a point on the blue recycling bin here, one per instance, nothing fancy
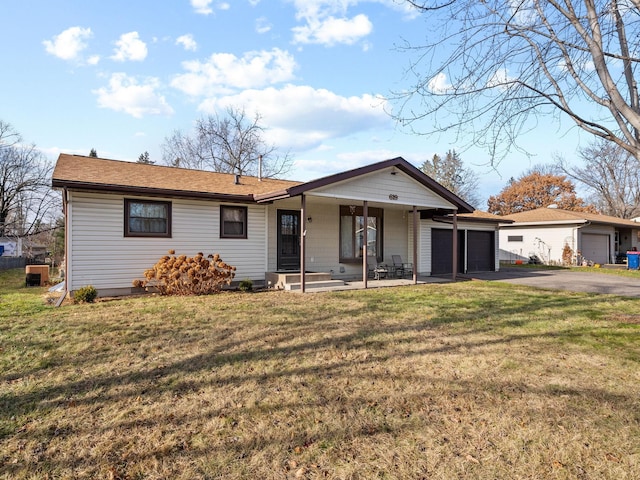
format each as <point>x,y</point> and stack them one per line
<point>1,250</point>
<point>633,260</point>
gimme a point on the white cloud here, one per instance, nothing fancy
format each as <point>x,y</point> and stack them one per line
<point>500,79</point>
<point>130,47</point>
<point>225,73</point>
<point>263,25</point>
<point>125,94</point>
<point>303,117</point>
<point>187,41</point>
<point>93,59</point>
<point>202,6</point>
<point>68,44</point>
<point>331,30</point>
<point>439,84</point>
<point>326,22</point>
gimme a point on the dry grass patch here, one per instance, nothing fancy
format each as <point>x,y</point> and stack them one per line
<point>471,380</point>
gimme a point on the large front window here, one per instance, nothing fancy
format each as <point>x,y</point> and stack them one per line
<point>352,228</point>
<point>147,218</point>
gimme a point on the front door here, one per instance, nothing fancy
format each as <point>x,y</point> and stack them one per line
<point>288,240</point>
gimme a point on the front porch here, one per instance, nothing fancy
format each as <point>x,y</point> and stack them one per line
<point>357,227</point>
<point>322,282</point>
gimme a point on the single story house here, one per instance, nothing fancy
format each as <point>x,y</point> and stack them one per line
<point>121,217</point>
<point>547,232</point>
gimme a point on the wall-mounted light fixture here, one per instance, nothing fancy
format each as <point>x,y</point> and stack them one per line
<point>309,219</point>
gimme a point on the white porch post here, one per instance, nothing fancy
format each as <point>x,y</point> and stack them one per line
<point>303,234</point>
<point>415,245</point>
<point>365,256</point>
<point>455,245</point>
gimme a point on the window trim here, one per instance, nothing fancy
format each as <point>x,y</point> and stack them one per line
<point>127,210</point>
<point>378,213</point>
<point>245,214</point>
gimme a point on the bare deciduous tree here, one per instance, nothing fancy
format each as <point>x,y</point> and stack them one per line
<point>26,199</point>
<point>229,144</point>
<point>612,177</point>
<point>492,68</point>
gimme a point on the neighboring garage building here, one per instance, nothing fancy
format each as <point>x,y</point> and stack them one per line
<point>545,232</point>
<point>477,242</point>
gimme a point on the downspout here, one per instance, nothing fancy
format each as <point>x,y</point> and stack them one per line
<point>303,234</point>
<point>65,211</point>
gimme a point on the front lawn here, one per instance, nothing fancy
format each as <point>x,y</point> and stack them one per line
<point>466,380</point>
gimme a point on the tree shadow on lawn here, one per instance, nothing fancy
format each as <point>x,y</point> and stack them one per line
<point>375,323</point>
<point>357,345</point>
<point>364,414</point>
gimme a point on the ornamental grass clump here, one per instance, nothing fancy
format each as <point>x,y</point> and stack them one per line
<point>182,275</point>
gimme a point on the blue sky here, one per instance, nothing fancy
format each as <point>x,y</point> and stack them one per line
<point>120,76</point>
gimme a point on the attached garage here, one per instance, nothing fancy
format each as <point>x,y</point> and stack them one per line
<point>481,251</point>
<point>442,251</point>
<point>476,251</point>
<point>595,248</point>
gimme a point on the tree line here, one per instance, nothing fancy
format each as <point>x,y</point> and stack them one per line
<point>234,144</point>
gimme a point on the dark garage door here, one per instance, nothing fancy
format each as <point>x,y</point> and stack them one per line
<point>442,251</point>
<point>480,251</point>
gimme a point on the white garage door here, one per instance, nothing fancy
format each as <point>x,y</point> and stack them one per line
<point>595,247</point>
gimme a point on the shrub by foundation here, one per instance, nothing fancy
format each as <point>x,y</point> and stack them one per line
<point>182,275</point>
<point>246,285</point>
<point>85,294</point>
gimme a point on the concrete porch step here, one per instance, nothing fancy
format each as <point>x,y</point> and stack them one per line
<point>314,284</point>
<point>280,280</point>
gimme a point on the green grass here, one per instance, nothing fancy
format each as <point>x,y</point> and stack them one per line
<point>622,272</point>
<point>466,380</point>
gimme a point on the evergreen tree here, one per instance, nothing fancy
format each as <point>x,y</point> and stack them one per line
<point>451,173</point>
<point>144,158</point>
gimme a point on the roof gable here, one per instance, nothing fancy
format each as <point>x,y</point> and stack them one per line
<point>435,192</point>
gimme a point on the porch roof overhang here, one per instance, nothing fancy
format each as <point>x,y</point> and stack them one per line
<point>471,219</point>
<point>398,163</point>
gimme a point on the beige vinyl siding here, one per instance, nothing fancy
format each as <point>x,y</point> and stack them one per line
<point>396,235</point>
<point>322,239</point>
<point>98,226</point>
<point>383,187</point>
<point>424,246</point>
<point>323,235</point>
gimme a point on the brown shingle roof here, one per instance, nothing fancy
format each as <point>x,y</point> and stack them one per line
<point>557,215</point>
<point>480,215</point>
<point>115,175</point>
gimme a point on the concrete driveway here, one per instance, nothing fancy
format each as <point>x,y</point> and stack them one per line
<point>574,281</point>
